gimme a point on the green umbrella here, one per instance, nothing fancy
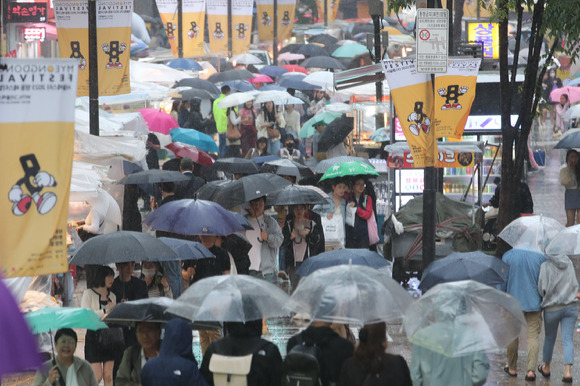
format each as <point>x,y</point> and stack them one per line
<point>350,51</point>
<point>308,129</point>
<point>54,318</point>
<point>353,168</point>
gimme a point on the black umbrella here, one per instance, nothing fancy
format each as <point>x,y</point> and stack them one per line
<point>196,93</point>
<point>122,246</point>
<point>210,190</point>
<point>325,39</point>
<point>293,48</point>
<point>570,140</point>
<point>199,84</point>
<point>230,75</point>
<point>297,195</point>
<point>235,165</point>
<point>237,242</point>
<point>335,133</point>
<point>297,84</point>
<point>323,62</point>
<point>152,176</point>
<point>249,188</point>
<point>312,50</point>
<point>331,48</point>
<point>286,167</point>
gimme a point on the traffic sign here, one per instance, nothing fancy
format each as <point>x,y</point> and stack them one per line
<point>432,40</point>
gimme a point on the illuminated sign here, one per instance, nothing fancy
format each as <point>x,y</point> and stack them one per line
<point>488,33</point>
<point>26,12</point>
<point>34,33</point>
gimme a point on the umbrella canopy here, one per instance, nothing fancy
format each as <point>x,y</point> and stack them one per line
<point>245,59</point>
<point>193,137</point>
<point>326,164</point>
<point>351,294</point>
<point>106,205</point>
<point>249,188</point>
<point>536,231</point>
<point>459,266</point>
<point>325,39</point>
<point>193,217</point>
<point>273,96</point>
<point>236,165</point>
<point>243,221</point>
<point>322,62</point>
<point>53,318</point>
<point>186,249</point>
<point>230,75</point>
<point>158,120</point>
<point>261,78</point>
<point>240,85</point>
<point>237,242</point>
<point>142,310</point>
<point>210,190</point>
<point>572,113</point>
<point>190,151</point>
<point>18,350</point>
<point>184,64</point>
<point>342,257</point>
<point>566,242</point>
<point>121,247</point>
<point>381,135</point>
<point>324,79</point>
<point>235,99</point>
<point>273,71</point>
<point>345,169</point>
<point>286,167</point>
<point>297,195</point>
<point>350,51</point>
<point>231,298</point>
<point>572,92</point>
<point>464,317</point>
<point>311,50</point>
<point>152,176</point>
<point>335,133</point>
<point>297,84</point>
<point>265,158</point>
<point>326,117</point>
<point>199,84</point>
<point>570,139</point>
<point>191,93</point>
<point>295,68</point>
<point>272,87</point>
<point>289,57</point>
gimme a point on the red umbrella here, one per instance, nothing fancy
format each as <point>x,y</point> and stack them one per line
<point>295,68</point>
<point>190,151</point>
<point>158,120</point>
<point>261,78</point>
<point>572,92</point>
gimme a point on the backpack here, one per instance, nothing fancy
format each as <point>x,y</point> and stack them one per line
<point>232,370</point>
<point>301,366</point>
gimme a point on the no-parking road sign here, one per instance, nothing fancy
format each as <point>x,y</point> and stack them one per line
<point>432,40</point>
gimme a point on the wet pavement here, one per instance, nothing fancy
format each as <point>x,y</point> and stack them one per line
<point>548,197</point>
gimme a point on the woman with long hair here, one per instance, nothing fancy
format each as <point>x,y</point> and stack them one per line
<point>248,126</point>
<point>233,142</point>
<point>561,108</point>
<point>357,236</point>
<point>569,177</point>
<point>260,150</point>
<point>371,365</point>
<point>269,123</point>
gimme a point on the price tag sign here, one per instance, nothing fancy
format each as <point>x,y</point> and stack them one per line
<point>432,26</point>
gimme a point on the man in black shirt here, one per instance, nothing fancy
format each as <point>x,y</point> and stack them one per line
<point>187,189</point>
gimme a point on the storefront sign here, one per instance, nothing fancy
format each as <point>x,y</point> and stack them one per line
<point>488,33</point>
<point>26,12</point>
<point>446,159</point>
<point>34,33</point>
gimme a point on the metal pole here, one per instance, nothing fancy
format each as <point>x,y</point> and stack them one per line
<point>230,48</point>
<point>326,13</point>
<point>180,28</point>
<point>378,85</point>
<point>93,70</point>
<point>275,42</point>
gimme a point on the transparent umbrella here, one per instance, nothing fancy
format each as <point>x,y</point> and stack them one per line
<point>536,231</point>
<point>566,242</point>
<point>351,294</point>
<point>464,317</point>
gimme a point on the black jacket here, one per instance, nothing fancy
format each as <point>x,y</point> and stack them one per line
<point>315,239</point>
<point>395,373</point>
<point>244,339</point>
<point>334,350</point>
<point>187,189</point>
<point>196,120</point>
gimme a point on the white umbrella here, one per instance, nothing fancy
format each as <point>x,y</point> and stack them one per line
<point>537,231</point>
<point>572,113</point>
<point>235,99</point>
<point>246,59</point>
<point>324,79</point>
<point>273,96</point>
<point>151,72</point>
<point>106,206</point>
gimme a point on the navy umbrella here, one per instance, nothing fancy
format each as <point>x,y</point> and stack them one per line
<point>243,221</point>
<point>184,64</point>
<point>297,84</point>
<point>335,133</point>
<point>193,217</point>
<point>240,85</point>
<point>186,249</point>
<point>273,71</point>
<point>570,140</point>
<point>459,266</point>
<point>342,257</point>
<point>152,176</point>
<point>199,84</point>
<point>322,62</point>
<point>249,188</point>
<point>325,39</point>
<point>311,50</point>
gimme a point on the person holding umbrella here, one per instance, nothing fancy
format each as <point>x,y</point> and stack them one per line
<point>248,127</point>
<point>334,210</point>
<point>221,119</point>
<point>269,123</point>
<point>233,135</point>
<point>135,356</point>
<point>196,120</point>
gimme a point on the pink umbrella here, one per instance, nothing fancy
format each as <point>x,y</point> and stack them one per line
<point>261,78</point>
<point>288,56</point>
<point>158,120</point>
<point>572,92</point>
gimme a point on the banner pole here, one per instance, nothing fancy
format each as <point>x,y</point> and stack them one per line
<point>326,13</point>
<point>275,45</point>
<point>230,48</point>
<point>180,28</point>
<point>93,70</point>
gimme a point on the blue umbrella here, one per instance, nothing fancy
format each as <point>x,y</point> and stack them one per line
<point>184,64</point>
<point>193,137</point>
<point>243,221</point>
<point>186,249</point>
<point>342,257</point>
<point>272,88</point>
<point>240,85</point>
<point>297,84</point>
<point>193,217</point>
<point>273,71</point>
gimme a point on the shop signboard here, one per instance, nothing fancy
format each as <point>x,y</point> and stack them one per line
<point>18,12</point>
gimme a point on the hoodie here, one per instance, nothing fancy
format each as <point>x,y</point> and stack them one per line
<point>557,283</point>
<point>175,364</point>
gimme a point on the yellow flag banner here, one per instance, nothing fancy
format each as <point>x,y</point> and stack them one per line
<point>217,23</point>
<point>454,94</point>
<point>37,113</point>
<point>193,16</point>
<point>241,25</point>
<point>412,94</point>
<point>113,42</point>
<point>286,14</point>
<point>331,7</point>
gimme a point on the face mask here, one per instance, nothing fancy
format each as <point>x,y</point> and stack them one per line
<point>290,146</point>
<point>148,272</point>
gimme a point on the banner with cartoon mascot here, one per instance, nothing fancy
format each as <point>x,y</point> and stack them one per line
<point>217,25</point>
<point>193,18</point>
<point>265,17</point>
<point>37,113</point>
<point>113,42</point>
<point>241,26</point>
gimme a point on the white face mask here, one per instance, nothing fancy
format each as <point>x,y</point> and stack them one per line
<point>148,272</point>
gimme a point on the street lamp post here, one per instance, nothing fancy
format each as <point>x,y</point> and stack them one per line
<point>93,70</point>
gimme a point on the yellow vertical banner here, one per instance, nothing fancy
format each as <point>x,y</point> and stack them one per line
<point>37,113</point>
<point>168,13</point>
<point>113,42</point>
<point>242,11</point>
<point>331,8</point>
<point>217,23</point>
<point>412,94</point>
<point>454,94</point>
<point>193,19</point>
<point>265,16</point>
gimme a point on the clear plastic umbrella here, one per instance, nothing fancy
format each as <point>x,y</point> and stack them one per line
<point>566,242</point>
<point>536,231</point>
<point>231,298</point>
<point>351,294</point>
<point>464,317</point>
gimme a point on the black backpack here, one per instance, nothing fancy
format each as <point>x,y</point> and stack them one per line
<point>301,366</point>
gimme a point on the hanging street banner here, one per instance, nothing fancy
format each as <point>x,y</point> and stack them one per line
<point>331,8</point>
<point>412,94</point>
<point>241,25</point>
<point>113,42</point>
<point>37,114</point>
<point>454,94</point>
<point>265,16</point>
<point>193,15</point>
<point>217,22</point>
